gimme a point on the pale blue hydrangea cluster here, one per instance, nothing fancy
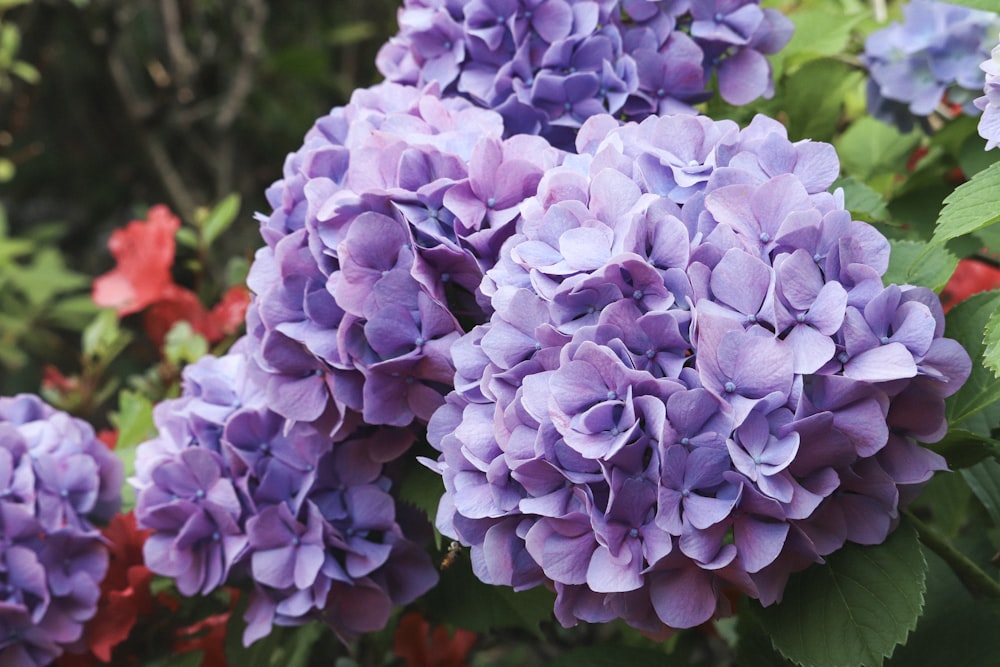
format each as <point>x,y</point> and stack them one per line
<point>989,103</point>
<point>928,62</point>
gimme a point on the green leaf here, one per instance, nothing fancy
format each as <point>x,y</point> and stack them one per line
<point>963,448</point>
<point>101,334</point>
<point>754,647</point>
<point>966,323</point>
<point>984,480</point>
<point>854,609</point>
<point>461,600</point>
<point>606,655</point>
<point>911,264</point>
<point>72,312</point>
<point>189,659</point>
<point>283,647</point>
<point>971,207</point>
<point>987,5</point>
<point>134,419</point>
<point>182,345</point>
<point>955,629</point>
<point>7,170</point>
<point>869,147</point>
<point>814,97</point>
<point>220,218</point>
<point>991,339</point>
<point>25,71</point>
<point>945,499</point>
<point>187,237</point>
<point>863,202</point>
<point>818,32</point>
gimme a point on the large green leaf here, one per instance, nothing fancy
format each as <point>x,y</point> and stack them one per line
<point>984,480</point>
<point>966,324</point>
<point>911,264</point>
<point>853,610</point>
<point>971,207</point>
<point>955,629</point>
<point>963,448</point>
<point>863,202</point>
<point>814,97</point>
<point>870,147</point>
<point>460,599</point>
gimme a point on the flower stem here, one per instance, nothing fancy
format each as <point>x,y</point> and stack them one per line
<point>974,578</point>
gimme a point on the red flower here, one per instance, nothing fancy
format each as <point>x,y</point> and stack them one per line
<point>415,644</point>
<point>208,636</point>
<point>971,277</point>
<point>231,310</point>
<point>178,304</point>
<point>144,252</point>
<point>125,593</point>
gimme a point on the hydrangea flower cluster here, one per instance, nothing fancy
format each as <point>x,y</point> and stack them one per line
<point>693,380</point>
<point>233,490</point>
<point>381,230</point>
<point>548,65</point>
<point>57,478</point>
<point>929,60</point>
<point>989,104</point>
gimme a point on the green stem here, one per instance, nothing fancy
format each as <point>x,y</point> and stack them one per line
<point>978,582</point>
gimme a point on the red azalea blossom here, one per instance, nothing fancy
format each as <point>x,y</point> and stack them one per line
<point>231,310</point>
<point>415,643</point>
<point>971,277</point>
<point>144,252</point>
<point>178,304</point>
<point>208,636</point>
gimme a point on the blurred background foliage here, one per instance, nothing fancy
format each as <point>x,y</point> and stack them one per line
<point>110,106</point>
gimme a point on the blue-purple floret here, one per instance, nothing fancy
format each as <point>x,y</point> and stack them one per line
<point>56,480</point>
<point>929,62</point>
<point>989,103</point>
<point>548,65</point>
<point>381,230</point>
<point>692,381</point>
<point>235,492</point>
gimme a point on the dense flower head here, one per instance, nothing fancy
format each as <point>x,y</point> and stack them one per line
<point>233,492</point>
<point>928,62</point>
<point>548,65</point>
<point>693,380</point>
<point>56,479</point>
<point>382,228</point>
<point>989,103</point>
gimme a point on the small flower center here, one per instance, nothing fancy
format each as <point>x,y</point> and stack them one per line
<point>729,387</point>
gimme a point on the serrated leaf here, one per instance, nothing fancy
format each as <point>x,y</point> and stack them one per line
<point>984,480</point>
<point>955,629</point>
<point>971,207</point>
<point>910,263</point>
<point>991,339</point>
<point>966,323</point>
<point>863,202</point>
<point>854,609</point>
<point>754,647</point>
<point>220,218</point>
<point>606,655</point>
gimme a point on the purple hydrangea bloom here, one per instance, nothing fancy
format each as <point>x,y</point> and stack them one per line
<point>234,491</point>
<point>692,379</point>
<point>548,65</point>
<point>56,479</point>
<point>381,231</point>
<point>929,62</point>
<point>989,104</point>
